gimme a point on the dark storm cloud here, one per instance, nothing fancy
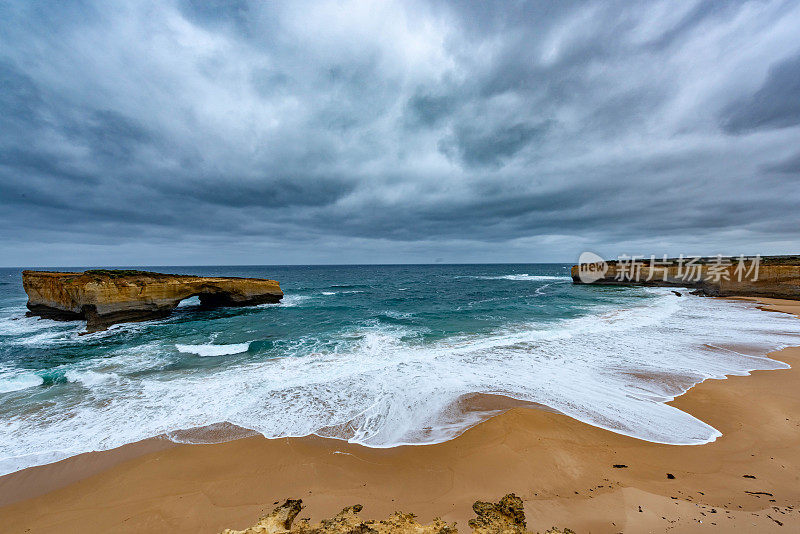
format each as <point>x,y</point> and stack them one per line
<point>395,131</point>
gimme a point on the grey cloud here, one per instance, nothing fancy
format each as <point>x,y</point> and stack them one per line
<point>790,165</point>
<point>429,109</point>
<point>696,16</point>
<point>477,146</point>
<point>108,134</point>
<point>217,13</point>
<point>775,105</point>
<point>266,192</point>
<point>31,163</point>
<point>19,96</point>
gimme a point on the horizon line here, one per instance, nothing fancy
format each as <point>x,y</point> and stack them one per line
<point>280,265</point>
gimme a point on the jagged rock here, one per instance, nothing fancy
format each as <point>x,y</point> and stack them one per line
<point>504,517</point>
<point>345,522</point>
<point>106,297</point>
<point>279,520</point>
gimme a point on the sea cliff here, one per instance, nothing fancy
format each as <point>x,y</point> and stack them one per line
<point>767,276</point>
<point>107,297</point>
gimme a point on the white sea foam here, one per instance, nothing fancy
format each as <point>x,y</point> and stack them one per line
<point>540,289</point>
<point>210,349</point>
<point>290,301</point>
<point>394,314</point>
<point>382,386</point>
<point>90,379</point>
<point>11,380</point>
<point>525,277</point>
<point>33,331</point>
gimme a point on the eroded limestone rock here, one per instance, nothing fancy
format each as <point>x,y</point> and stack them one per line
<point>106,297</point>
<point>504,517</point>
<point>774,276</point>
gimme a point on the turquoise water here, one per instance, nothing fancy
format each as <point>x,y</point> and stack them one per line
<point>378,355</point>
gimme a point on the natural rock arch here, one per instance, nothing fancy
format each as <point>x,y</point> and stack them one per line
<point>106,297</point>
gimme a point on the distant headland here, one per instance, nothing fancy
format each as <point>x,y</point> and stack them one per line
<point>719,276</point>
<point>105,297</point>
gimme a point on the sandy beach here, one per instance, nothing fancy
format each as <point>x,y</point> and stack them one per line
<point>569,474</point>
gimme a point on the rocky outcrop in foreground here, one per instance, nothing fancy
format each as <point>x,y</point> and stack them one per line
<point>106,297</point>
<point>504,517</point>
<point>765,276</point>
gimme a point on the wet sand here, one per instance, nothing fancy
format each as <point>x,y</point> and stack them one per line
<point>748,479</point>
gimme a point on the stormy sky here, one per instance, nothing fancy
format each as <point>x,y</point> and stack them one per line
<point>236,132</point>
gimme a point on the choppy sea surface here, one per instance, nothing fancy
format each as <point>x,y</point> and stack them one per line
<point>377,355</point>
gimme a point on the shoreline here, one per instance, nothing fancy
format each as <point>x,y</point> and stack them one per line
<point>562,468</point>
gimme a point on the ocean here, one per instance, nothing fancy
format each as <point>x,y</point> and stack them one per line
<point>378,355</point>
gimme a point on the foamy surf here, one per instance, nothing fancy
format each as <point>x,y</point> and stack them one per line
<point>19,380</point>
<point>386,370</point>
<point>524,277</point>
<point>289,301</point>
<point>209,349</point>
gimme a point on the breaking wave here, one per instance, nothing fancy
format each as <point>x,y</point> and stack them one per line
<point>18,380</point>
<point>210,349</point>
<point>526,278</point>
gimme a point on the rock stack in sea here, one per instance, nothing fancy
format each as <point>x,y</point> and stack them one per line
<point>106,297</point>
